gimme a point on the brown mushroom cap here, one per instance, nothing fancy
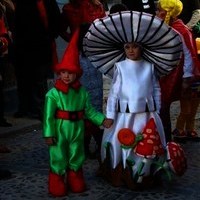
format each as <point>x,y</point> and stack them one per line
<point>151,145</point>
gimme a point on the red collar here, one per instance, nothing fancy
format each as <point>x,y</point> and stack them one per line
<point>60,85</point>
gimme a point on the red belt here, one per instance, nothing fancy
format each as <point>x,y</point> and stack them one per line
<point>70,115</point>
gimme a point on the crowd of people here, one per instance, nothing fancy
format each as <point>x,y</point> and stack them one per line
<point>72,111</point>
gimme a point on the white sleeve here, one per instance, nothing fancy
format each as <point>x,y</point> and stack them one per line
<point>188,61</point>
<point>111,107</point>
<point>156,92</point>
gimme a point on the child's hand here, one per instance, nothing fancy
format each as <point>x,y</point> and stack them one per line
<point>107,123</point>
<point>50,141</point>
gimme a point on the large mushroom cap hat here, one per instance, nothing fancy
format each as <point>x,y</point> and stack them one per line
<point>150,146</point>
<point>104,42</point>
<point>176,158</point>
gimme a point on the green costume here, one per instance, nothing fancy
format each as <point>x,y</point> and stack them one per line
<point>68,151</point>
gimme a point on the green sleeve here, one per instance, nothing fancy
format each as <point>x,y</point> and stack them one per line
<point>91,114</point>
<point>50,107</point>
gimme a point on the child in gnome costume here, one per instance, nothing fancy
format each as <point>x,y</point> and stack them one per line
<point>66,105</point>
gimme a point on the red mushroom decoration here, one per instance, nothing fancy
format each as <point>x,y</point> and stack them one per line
<point>176,158</point>
<point>150,146</point>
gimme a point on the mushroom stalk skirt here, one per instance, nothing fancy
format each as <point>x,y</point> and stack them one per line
<point>140,165</point>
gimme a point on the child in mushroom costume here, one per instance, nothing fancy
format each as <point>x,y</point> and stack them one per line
<point>134,49</point>
<point>134,150</point>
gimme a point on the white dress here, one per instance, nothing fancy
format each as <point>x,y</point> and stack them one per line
<point>133,99</point>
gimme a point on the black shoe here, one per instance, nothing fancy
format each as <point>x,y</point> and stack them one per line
<point>5,174</point>
<point>4,123</point>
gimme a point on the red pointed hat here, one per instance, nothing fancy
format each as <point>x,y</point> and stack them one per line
<point>70,60</point>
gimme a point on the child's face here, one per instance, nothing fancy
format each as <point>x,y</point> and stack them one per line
<point>67,77</point>
<point>133,51</point>
<point>160,12</point>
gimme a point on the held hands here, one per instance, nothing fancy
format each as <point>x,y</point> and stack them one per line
<point>107,123</point>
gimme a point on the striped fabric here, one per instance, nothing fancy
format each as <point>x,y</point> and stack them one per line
<point>104,41</point>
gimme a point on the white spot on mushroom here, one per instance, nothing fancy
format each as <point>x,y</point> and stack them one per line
<point>150,141</point>
<point>148,130</point>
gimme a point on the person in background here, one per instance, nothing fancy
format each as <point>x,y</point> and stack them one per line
<point>75,14</point>
<point>9,17</point>
<point>92,80</point>
<point>37,25</point>
<point>190,13</point>
<point>66,104</point>
<point>4,40</point>
<point>147,6</point>
<point>9,13</point>
<point>4,43</point>
<point>176,86</point>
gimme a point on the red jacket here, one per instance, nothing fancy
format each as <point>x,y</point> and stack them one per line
<point>171,84</point>
<point>91,12</point>
<point>73,15</point>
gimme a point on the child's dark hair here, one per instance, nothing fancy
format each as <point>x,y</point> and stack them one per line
<point>118,7</point>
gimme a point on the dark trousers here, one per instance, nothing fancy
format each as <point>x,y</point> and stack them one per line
<point>91,130</point>
<point>3,62</point>
<point>166,120</point>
